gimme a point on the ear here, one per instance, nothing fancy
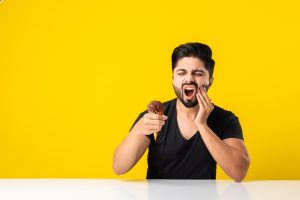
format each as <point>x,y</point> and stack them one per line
<point>211,80</point>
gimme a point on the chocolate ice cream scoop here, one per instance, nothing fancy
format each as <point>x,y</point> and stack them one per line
<point>158,108</point>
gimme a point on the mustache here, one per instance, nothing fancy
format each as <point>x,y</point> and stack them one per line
<point>196,85</point>
<point>191,83</point>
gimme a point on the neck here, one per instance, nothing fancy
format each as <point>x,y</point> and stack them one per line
<point>185,112</point>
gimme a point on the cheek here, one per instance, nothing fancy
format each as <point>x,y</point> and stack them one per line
<point>203,81</point>
<point>177,81</point>
<point>176,84</point>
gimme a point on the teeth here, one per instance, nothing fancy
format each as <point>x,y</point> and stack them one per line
<point>189,89</point>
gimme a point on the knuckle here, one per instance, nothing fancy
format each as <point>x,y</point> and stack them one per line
<point>145,121</point>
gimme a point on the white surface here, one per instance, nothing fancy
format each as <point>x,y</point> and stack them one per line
<point>106,189</point>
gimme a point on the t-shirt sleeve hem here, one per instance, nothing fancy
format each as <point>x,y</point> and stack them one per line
<point>232,128</point>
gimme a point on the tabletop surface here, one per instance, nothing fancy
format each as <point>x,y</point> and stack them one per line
<point>89,189</point>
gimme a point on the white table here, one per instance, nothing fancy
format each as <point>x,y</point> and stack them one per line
<point>108,189</point>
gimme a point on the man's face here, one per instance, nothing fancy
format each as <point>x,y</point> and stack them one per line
<point>188,76</point>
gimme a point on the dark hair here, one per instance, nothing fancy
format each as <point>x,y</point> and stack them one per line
<point>194,49</point>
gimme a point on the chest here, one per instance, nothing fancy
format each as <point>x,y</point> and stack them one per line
<point>179,142</point>
<point>187,128</point>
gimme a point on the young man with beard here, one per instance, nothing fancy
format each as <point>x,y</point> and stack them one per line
<point>193,134</point>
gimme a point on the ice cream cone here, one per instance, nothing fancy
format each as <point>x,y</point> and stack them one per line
<point>158,108</point>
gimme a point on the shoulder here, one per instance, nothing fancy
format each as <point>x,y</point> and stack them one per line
<point>169,106</point>
<point>222,116</point>
<point>222,111</point>
<point>226,124</point>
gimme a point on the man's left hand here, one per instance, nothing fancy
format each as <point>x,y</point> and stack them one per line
<point>205,107</point>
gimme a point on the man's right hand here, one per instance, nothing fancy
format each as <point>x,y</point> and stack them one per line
<point>150,123</point>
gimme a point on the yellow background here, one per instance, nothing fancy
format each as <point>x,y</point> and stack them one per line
<point>74,75</point>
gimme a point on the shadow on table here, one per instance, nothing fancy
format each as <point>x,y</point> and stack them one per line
<point>162,189</point>
<point>195,189</point>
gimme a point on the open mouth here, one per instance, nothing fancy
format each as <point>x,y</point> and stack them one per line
<point>189,92</point>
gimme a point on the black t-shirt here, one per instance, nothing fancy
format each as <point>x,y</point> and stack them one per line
<point>173,157</point>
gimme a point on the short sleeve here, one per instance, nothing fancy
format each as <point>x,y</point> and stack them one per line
<point>232,128</point>
<point>137,119</point>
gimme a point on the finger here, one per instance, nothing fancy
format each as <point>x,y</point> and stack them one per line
<point>156,122</point>
<point>156,116</point>
<point>205,104</point>
<point>204,97</point>
<point>199,100</point>
<point>207,99</point>
<point>154,131</point>
<point>155,128</point>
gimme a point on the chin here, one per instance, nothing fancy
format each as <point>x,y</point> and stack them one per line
<point>189,104</point>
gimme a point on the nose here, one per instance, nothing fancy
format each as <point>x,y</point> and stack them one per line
<point>190,78</point>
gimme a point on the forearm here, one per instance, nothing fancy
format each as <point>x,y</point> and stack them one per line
<point>233,162</point>
<point>125,155</point>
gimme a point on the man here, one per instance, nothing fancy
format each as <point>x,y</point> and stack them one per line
<point>193,134</point>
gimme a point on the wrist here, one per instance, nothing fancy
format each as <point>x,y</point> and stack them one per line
<point>136,132</point>
<point>201,125</point>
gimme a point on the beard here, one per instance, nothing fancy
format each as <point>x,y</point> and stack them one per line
<point>187,103</point>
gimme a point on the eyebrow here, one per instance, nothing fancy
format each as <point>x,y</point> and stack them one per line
<point>196,70</point>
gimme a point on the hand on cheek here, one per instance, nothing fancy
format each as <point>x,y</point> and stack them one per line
<point>205,106</point>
